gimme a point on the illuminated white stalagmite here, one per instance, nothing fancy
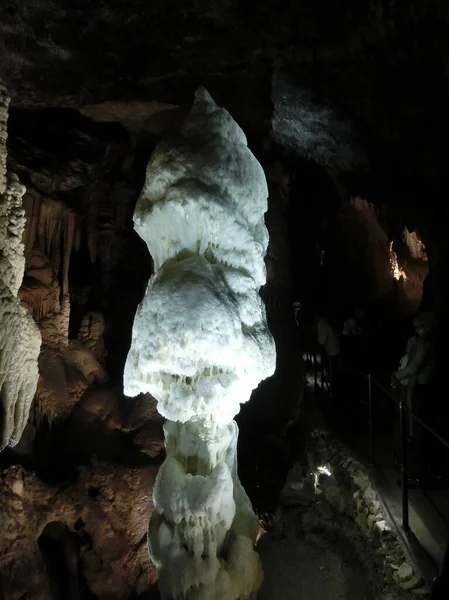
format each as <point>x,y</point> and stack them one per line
<point>200,345</point>
<point>20,339</point>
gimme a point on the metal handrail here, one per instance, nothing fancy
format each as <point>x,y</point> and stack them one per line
<point>405,408</point>
<point>403,411</point>
<point>443,578</point>
<point>441,583</point>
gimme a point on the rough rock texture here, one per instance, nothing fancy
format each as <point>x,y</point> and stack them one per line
<point>88,473</point>
<point>339,74</point>
<point>78,205</point>
<point>20,340</point>
<point>87,187</point>
<point>201,344</point>
<point>361,59</point>
<point>312,130</point>
<point>99,542</point>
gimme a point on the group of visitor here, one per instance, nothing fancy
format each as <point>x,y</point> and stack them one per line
<point>346,349</point>
<point>343,348</point>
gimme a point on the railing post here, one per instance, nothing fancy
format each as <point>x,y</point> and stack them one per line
<point>404,475</point>
<point>370,419</point>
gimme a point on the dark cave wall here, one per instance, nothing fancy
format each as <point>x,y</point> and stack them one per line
<point>356,264</point>
<point>340,249</point>
<point>314,201</point>
<point>382,65</point>
<point>341,260</point>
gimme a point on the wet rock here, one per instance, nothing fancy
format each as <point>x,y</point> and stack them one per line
<point>405,571</point>
<point>411,583</point>
<point>382,528</point>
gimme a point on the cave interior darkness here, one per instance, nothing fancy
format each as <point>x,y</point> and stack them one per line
<point>344,104</point>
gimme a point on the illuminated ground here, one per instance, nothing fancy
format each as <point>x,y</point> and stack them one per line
<point>309,569</point>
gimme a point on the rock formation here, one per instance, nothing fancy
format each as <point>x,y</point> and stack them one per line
<point>200,345</point>
<point>20,339</point>
<point>108,558</point>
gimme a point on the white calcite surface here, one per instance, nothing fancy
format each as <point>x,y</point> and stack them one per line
<point>202,515</point>
<point>200,345</point>
<point>200,341</point>
<point>20,339</point>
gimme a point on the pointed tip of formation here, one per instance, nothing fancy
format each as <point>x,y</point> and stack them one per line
<point>203,96</point>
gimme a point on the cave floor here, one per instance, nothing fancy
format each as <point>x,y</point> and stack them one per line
<point>309,568</point>
<point>428,510</point>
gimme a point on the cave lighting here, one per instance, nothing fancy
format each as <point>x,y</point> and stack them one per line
<point>324,471</point>
<point>396,270</point>
<point>415,245</point>
<point>200,345</point>
<point>321,470</point>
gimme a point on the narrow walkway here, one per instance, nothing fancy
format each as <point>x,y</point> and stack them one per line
<point>428,511</point>
<point>309,568</point>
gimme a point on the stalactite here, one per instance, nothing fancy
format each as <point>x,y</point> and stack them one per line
<point>50,236</point>
<point>200,345</point>
<point>40,305</point>
<point>19,336</point>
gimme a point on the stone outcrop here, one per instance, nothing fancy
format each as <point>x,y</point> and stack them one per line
<point>90,494</point>
<point>99,543</point>
<point>20,340</point>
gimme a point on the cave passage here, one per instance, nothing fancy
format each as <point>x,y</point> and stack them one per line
<point>339,117</point>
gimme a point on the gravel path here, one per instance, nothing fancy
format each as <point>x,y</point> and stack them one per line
<point>309,569</point>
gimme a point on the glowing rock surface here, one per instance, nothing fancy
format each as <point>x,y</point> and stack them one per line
<point>200,345</point>
<point>20,339</point>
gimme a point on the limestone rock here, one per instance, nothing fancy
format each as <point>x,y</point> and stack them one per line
<point>20,340</point>
<point>94,513</point>
<point>405,571</point>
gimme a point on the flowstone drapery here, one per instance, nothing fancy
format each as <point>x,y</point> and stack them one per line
<point>20,339</point>
<point>200,345</point>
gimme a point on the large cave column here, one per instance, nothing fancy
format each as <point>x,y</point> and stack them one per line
<point>200,345</point>
<point>20,339</point>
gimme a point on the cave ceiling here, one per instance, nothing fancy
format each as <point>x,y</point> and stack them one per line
<point>376,73</point>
